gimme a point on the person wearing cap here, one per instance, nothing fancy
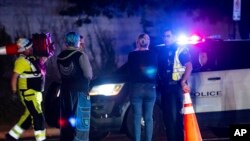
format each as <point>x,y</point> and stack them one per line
<point>14,49</point>
<point>27,83</point>
<point>76,72</point>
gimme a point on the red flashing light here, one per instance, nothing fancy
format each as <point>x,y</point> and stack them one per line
<point>193,39</point>
<point>62,122</point>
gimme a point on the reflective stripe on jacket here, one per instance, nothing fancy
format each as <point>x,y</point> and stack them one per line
<point>34,77</point>
<point>35,72</point>
<point>178,68</point>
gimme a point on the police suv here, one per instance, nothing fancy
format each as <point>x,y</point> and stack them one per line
<point>220,92</point>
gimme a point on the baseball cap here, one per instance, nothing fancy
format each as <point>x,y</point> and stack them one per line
<point>23,44</point>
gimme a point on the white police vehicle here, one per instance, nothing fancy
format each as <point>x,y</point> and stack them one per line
<point>221,93</point>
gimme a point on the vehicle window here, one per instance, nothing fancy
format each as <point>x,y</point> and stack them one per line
<point>234,55</point>
<point>221,55</point>
<point>204,56</point>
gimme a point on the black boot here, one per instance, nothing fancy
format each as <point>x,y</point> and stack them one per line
<point>8,137</point>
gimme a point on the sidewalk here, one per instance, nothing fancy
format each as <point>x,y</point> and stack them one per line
<point>50,132</point>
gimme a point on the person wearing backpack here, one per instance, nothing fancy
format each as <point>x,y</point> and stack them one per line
<point>27,82</point>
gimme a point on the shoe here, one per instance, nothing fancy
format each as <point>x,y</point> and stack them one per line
<point>8,137</point>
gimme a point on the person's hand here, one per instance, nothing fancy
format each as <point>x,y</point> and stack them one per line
<point>23,43</point>
<point>14,92</point>
<point>14,95</point>
<point>185,88</point>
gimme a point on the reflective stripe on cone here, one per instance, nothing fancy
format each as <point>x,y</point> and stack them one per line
<point>11,49</point>
<point>3,50</point>
<point>191,128</point>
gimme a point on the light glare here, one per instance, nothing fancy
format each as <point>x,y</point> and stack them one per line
<point>106,89</point>
<point>72,121</point>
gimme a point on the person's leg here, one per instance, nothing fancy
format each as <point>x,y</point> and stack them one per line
<point>164,91</point>
<point>33,101</point>
<point>66,112</point>
<point>169,101</point>
<point>23,124</point>
<point>174,118</point>
<point>136,105</point>
<point>137,114</point>
<point>82,117</point>
<point>148,107</point>
<point>179,115</point>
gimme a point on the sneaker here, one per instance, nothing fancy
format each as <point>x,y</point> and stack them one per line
<point>8,137</point>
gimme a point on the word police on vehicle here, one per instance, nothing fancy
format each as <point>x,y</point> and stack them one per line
<point>208,94</point>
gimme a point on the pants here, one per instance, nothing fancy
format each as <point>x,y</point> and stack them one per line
<point>171,100</point>
<point>75,116</point>
<point>142,98</point>
<point>33,115</point>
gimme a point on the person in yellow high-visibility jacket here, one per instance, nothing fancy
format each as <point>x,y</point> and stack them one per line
<point>27,82</point>
<point>174,69</point>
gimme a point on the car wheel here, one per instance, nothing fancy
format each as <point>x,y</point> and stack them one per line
<point>97,135</point>
<point>158,126</point>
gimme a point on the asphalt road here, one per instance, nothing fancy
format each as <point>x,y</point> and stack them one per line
<point>123,137</point>
<point>52,135</point>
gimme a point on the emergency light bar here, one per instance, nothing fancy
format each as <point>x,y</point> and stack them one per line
<point>193,39</point>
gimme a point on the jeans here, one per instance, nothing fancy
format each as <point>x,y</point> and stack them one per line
<point>142,98</point>
<point>75,116</point>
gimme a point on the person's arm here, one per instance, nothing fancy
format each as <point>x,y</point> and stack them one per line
<point>185,59</point>
<point>19,68</point>
<point>14,82</point>
<point>85,66</point>
<point>185,77</point>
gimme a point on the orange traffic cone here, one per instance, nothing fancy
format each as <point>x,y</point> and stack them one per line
<point>191,128</point>
<point>11,49</point>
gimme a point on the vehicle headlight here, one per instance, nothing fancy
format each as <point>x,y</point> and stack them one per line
<point>106,89</point>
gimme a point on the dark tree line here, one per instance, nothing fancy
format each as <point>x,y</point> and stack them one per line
<point>214,10</point>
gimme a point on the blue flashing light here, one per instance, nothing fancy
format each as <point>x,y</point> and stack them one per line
<point>72,121</point>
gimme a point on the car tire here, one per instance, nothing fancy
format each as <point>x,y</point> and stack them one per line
<point>158,126</point>
<point>97,135</point>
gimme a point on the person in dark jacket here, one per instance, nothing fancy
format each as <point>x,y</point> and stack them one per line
<point>175,68</point>
<point>142,64</point>
<point>76,73</point>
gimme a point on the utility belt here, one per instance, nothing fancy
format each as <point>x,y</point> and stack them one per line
<point>166,78</point>
<point>169,77</point>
